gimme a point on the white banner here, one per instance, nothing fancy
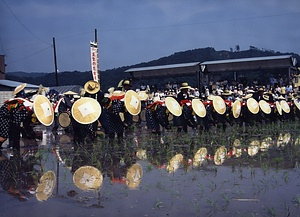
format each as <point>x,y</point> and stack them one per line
<point>94,60</point>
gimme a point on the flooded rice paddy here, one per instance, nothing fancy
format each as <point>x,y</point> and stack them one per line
<point>252,171</point>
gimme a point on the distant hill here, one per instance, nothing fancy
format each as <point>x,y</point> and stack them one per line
<point>111,77</point>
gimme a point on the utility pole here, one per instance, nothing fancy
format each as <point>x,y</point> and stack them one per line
<point>55,63</point>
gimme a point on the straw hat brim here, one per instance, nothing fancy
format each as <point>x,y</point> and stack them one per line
<point>43,110</point>
<point>198,108</point>
<point>19,88</point>
<point>88,178</point>
<point>86,110</point>
<point>236,108</point>
<point>219,105</point>
<point>252,105</point>
<point>278,107</point>
<point>64,119</point>
<point>134,176</point>
<point>94,90</point>
<point>285,106</point>
<point>173,106</point>
<point>70,93</point>
<point>142,95</point>
<point>297,103</point>
<point>264,106</point>
<point>46,186</point>
<point>132,102</point>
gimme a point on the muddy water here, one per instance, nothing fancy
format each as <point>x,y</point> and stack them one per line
<point>232,175</point>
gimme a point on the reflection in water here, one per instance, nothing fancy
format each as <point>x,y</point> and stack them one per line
<point>86,170</point>
<point>46,186</point>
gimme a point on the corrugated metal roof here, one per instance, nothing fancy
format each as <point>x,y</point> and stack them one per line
<point>9,83</point>
<point>246,59</point>
<point>163,67</point>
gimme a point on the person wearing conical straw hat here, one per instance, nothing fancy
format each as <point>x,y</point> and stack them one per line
<point>14,113</point>
<point>184,99</point>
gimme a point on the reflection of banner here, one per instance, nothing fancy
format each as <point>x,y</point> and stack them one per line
<point>94,60</point>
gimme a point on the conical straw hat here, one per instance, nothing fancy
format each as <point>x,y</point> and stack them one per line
<point>252,105</point>
<point>134,176</point>
<point>142,95</point>
<point>19,88</point>
<point>278,107</point>
<point>220,155</point>
<point>86,110</point>
<point>132,102</point>
<point>173,106</point>
<point>88,178</point>
<point>64,119</point>
<point>43,110</point>
<point>200,157</point>
<point>198,108</point>
<point>236,108</point>
<point>46,186</point>
<point>174,163</point>
<point>264,106</point>
<point>285,106</point>
<point>219,105</point>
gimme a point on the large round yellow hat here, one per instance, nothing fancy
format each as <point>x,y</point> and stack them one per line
<point>142,95</point>
<point>88,178</point>
<point>19,88</point>
<point>200,157</point>
<point>46,186</point>
<point>43,110</point>
<point>198,108</point>
<point>220,155</point>
<point>134,176</point>
<point>264,106</point>
<point>64,119</point>
<point>173,106</point>
<point>219,105</point>
<point>278,107</point>
<point>86,110</point>
<point>174,163</point>
<point>236,108</point>
<point>92,87</point>
<point>252,105</point>
<point>285,106</point>
<point>132,102</point>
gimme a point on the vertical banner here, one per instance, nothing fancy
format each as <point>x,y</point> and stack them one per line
<point>94,61</point>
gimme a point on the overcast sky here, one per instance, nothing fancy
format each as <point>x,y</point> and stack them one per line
<point>134,31</point>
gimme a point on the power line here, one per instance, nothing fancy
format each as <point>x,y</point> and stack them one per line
<point>24,25</point>
<point>200,23</point>
<point>30,55</point>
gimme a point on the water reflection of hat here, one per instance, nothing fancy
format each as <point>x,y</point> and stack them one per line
<point>174,163</point>
<point>200,157</point>
<point>253,147</point>
<point>88,178</point>
<point>134,176</point>
<point>220,155</point>
<point>46,186</point>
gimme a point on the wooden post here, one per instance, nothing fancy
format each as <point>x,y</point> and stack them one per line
<point>55,62</point>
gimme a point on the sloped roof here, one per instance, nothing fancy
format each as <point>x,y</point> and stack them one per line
<point>163,67</point>
<point>63,89</point>
<point>13,84</point>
